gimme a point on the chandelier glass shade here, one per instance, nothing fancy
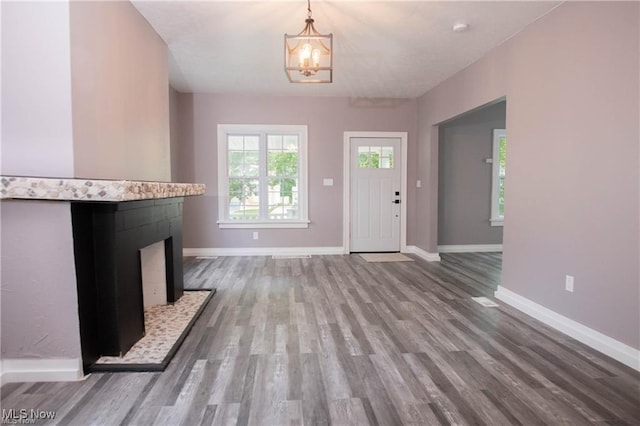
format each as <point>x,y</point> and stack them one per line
<point>308,56</point>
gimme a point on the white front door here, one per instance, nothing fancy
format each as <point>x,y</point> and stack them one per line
<point>376,173</point>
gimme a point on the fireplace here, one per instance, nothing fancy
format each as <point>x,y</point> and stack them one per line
<point>112,221</point>
<point>111,240</point>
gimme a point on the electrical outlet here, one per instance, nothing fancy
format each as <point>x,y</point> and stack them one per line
<point>255,235</point>
<point>568,283</point>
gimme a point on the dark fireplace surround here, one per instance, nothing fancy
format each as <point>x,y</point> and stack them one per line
<point>107,238</point>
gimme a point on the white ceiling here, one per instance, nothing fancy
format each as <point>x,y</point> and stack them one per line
<point>382,49</point>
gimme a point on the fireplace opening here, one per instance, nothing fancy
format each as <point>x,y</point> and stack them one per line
<point>154,274</point>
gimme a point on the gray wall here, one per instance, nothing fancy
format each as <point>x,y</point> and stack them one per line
<point>39,297</point>
<point>119,80</point>
<point>464,179</point>
<point>572,90</point>
<point>327,119</point>
<point>38,280</point>
<point>174,138</point>
<point>37,127</point>
<point>69,81</point>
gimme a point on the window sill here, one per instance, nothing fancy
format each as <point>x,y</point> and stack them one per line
<point>496,222</point>
<point>284,224</point>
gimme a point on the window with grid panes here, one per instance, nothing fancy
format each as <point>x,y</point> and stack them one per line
<point>262,176</point>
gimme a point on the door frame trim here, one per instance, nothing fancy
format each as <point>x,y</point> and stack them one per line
<point>346,184</point>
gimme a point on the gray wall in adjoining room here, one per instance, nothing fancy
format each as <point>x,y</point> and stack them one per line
<point>464,178</point>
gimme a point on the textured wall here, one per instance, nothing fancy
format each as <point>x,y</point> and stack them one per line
<point>327,120</point>
<point>464,179</point>
<point>572,196</point>
<point>120,89</point>
<point>39,299</point>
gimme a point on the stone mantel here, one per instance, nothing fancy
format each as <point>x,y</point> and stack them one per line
<point>76,189</point>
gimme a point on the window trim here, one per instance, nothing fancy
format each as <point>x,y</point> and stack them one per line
<point>496,219</point>
<point>223,181</point>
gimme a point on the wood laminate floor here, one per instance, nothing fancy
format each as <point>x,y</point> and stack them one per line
<point>334,339</point>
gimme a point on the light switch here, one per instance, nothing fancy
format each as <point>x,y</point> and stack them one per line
<point>419,184</point>
<point>327,182</point>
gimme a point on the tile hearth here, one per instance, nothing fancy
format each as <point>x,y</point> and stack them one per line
<point>165,325</point>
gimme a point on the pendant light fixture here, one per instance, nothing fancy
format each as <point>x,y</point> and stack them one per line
<point>308,56</point>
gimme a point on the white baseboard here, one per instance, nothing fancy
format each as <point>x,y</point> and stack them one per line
<point>40,370</point>
<point>470,248</point>
<point>617,350</point>
<point>430,257</point>
<point>262,251</point>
